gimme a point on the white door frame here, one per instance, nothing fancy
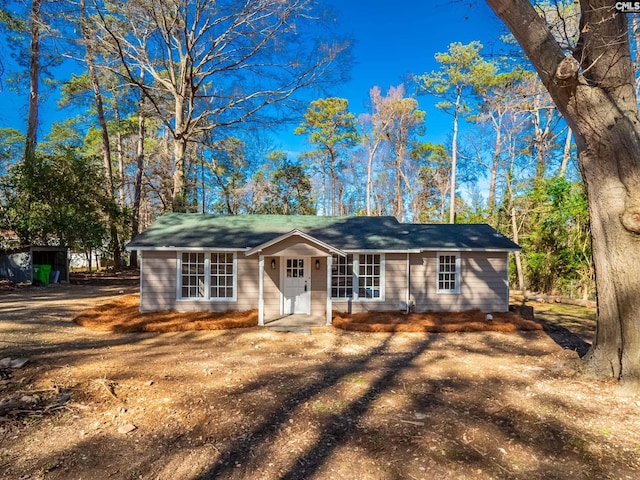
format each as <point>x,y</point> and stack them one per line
<point>307,277</point>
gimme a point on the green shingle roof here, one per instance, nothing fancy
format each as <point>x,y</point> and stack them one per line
<point>184,230</point>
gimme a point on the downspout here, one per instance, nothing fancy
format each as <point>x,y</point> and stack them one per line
<point>509,287</point>
<point>408,283</point>
<point>141,273</point>
<point>261,290</point>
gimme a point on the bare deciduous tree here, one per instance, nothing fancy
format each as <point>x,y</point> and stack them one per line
<point>221,63</point>
<point>398,119</point>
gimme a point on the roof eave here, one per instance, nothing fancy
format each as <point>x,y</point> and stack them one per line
<point>469,249</point>
<point>172,248</point>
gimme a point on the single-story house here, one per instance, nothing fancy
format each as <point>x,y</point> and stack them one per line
<point>314,265</point>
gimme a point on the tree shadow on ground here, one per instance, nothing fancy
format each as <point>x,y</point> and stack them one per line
<point>335,429</point>
<point>570,327</point>
<point>566,338</point>
<point>317,415</point>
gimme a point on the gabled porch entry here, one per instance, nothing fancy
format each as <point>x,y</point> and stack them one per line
<point>294,270</point>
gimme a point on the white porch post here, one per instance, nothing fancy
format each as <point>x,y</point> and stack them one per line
<point>261,290</point>
<point>329,302</point>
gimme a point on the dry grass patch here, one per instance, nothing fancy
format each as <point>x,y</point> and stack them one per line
<point>122,316</point>
<point>434,322</point>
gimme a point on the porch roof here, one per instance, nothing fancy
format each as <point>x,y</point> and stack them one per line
<point>296,233</point>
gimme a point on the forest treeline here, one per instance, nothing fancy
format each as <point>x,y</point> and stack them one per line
<point>174,104</point>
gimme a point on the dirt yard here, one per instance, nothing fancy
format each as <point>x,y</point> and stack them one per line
<point>257,404</point>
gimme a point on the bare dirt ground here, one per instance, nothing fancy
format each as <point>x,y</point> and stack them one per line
<point>257,404</point>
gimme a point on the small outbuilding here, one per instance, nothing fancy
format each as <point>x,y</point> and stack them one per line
<point>30,264</point>
<point>308,265</point>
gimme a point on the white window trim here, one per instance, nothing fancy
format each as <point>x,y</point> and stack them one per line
<point>353,281</point>
<point>207,278</point>
<point>356,279</point>
<point>455,291</point>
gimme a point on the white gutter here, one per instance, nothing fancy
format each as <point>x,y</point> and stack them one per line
<point>172,248</point>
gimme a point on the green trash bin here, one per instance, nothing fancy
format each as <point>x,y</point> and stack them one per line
<point>45,271</point>
<point>36,273</point>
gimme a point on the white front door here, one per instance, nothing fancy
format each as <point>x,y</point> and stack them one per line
<point>296,286</point>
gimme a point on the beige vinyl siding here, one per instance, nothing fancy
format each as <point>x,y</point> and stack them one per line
<point>158,282</point>
<point>483,283</point>
<point>294,246</point>
<point>272,298</point>
<point>159,285</point>
<point>319,286</point>
<point>395,279</point>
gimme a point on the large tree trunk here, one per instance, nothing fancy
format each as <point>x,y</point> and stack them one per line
<point>179,191</point>
<point>34,82</point>
<point>137,186</point>
<point>454,159</point>
<point>514,227</point>
<point>615,225</point>
<point>178,201</point>
<point>372,152</point>
<point>332,175</point>
<point>597,97</point>
<point>497,150</point>
<point>120,155</point>
<point>397,204</point>
<point>106,147</point>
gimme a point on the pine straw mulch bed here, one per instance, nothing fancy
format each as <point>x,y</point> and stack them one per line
<point>122,316</point>
<point>435,322</point>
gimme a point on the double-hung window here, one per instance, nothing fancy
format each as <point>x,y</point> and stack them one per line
<point>342,277</point>
<point>369,277</point>
<point>207,276</point>
<point>193,277</point>
<point>448,280</point>
<point>222,275</point>
<point>358,277</point>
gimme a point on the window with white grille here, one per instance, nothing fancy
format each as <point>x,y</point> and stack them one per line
<point>222,278</point>
<point>193,277</point>
<point>295,268</point>
<point>358,277</point>
<point>207,276</point>
<point>342,276</point>
<point>369,275</point>
<point>448,280</point>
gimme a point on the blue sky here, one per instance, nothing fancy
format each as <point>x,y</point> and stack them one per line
<point>393,41</point>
